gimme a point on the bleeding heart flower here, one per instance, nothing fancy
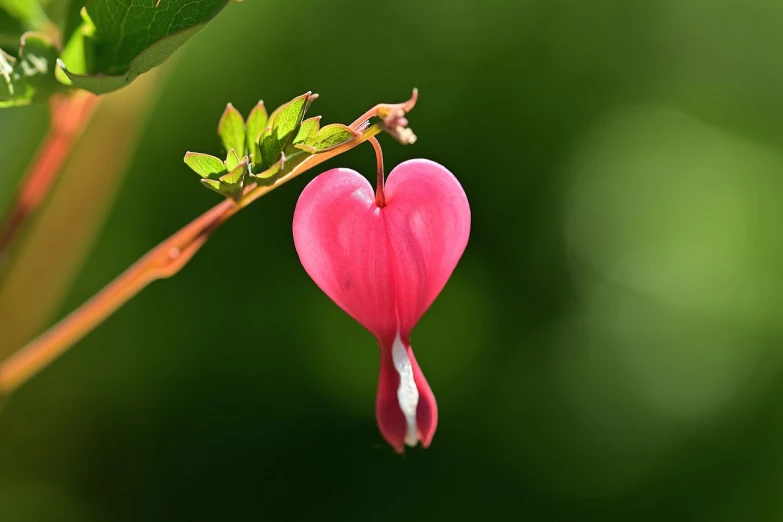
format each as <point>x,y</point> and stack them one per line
<point>385,265</point>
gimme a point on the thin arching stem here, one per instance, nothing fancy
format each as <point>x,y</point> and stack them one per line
<point>380,199</point>
<point>163,261</point>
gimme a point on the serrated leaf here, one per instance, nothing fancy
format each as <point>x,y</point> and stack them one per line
<point>232,130</point>
<point>205,165</point>
<point>235,176</point>
<point>330,136</point>
<point>133,36</point>
<point>29,77</point>
<point>256,123</point>
<point>288,118</point>
<point>307,130</point>
<point>232,160</point>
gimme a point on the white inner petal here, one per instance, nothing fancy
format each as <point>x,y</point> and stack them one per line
<point>407,393</point>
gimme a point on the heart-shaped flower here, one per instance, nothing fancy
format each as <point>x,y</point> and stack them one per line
<point>385,266</point>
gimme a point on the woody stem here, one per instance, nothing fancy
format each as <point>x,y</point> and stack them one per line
<point>163,261</point>
<point>380,199</point>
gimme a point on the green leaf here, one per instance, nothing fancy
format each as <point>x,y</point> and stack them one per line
<point>234,192</point>
<point>30,77</point>
<point>306,148</point>
<point>232,130</point>
<point>307,130</point>
<point>79,55</point>
<point>63,14</point>
<point>236,175</point>
<point>270,174</point>
<point>213,184</point>
<point>288,118</point>
<point>232,160</point>
<point>133,36</point>
<point>270,149</point>
<point>256,123</point>
<point>285,165</point>
<point>282,126</point>
<point>330,136</point>
<point>205,165</point>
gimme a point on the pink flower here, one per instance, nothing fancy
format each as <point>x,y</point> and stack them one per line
<point>385,266</point>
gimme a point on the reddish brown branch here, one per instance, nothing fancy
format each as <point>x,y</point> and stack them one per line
<point>69,116</point>
<point>163,261</point>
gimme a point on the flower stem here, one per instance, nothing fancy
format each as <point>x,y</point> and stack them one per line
<point>163,261</point>
<point>69,116</point>
<point>380,199</point>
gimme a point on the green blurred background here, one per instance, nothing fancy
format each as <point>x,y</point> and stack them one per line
<point>609,347</point>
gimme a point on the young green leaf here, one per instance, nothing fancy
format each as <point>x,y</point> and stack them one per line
<point>232,160</point>
<point>205,165</point>
<point>307,130</point>
<point>270,148</point>
<point>236,175</point>
<point>330,136</point>
<point>31,76</point>
<point>288,118</point>
<point>309,149</point>
<point>271,173</point>
<point>230,191</point>
<point>256,123</point>
<point>214,185</point>
<point>133,36</point>
<point>232,130</point>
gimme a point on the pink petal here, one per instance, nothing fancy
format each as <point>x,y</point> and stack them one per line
<point>342,243</point>
<point>391,419</point>
<point>385,267</point>
<point>428,221</point>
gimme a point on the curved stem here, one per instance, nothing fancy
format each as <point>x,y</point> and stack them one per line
<point>69,115</point>
<point>380,199</point>
<point>163,261</point>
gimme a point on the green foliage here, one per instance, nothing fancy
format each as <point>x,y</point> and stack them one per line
<point>232,160</point>
<point>329,136</point>
<point>205,165</point>
<point>122,39</point>
<point>307,130</point>
<point>30,76</point>
<point>116,41</point>
<point>256,123</point>
<point>287,139</point>
<point>231,129</point>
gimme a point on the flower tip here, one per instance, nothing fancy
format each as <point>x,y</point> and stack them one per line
<point>405,408</point>
<point>411,103</point>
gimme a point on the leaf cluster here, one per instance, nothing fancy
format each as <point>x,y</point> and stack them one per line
<point>265,147</point>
